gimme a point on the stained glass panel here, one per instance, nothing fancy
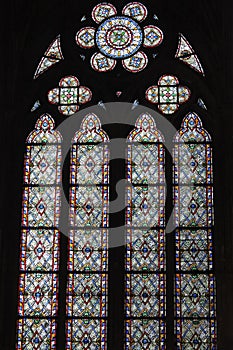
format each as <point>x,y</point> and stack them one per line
<point>195,302</point>
<point>195,334</point>
<point>39,250</point>
<point>87,287</point>
<point>186,54</point>
<point>51,56</point>
<point>145,238</point>
<point>36,334</point>
<point>145,334</point>
<point>194,250</point>
<point>86,334</point>
<point>168,94</point>
<point>136,10</point>
<point>69,95</point>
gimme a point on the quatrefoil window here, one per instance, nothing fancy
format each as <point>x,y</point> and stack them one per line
<point>168,94</point>
<point>69,95</point>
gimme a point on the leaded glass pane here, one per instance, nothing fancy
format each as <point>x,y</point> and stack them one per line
<point>145,238</point>
<point>86,334</point>
<point>145,250</point>
<point>195,295</point>
<point>194,250</point>
<point>88,250</point>
<point>51,56</point>
<point>38,294</point>
<point>145,334</point>
<point>86,295</point>
<point>195,302</point>
<point>196,334</point>
<point>186,54</point>
<point>145,206</point>
<point>36,334</point>
<point>145,295</point>
<point>87,285</point>
<point>89,206</point>
<point>41,206</point>
<point>193,206</point>
<point>39,249</point>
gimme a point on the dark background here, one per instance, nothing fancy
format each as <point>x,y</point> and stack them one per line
<point>28,28</point>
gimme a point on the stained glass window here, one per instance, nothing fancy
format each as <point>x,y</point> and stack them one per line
<point>119,37</point>
<point>193,196</point>
<point>39,251</point>
<point>168,94</point>
<point>149,314</point>
<point>88,239</point>
<point>187,55</point>
<point>69,95</point>
<point>51,56</point>
<point>145,238</point>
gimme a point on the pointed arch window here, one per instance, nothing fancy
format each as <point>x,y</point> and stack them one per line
<point>144,319</point>
<point>39,251</point>
<point>88,241</point>
<point>145,237</point>
<point>193,200</point>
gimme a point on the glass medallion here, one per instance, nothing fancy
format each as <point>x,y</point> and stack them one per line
<point>153,36</point>
<point>100,63</point>
<point>136,63</point>
<point>85,37</point>
<point>85,95</point>
<point>136,10</point>
<point>119,37</point>
<point>103,11</point>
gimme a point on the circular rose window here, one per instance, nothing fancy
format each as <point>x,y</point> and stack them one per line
<point>119,37</point>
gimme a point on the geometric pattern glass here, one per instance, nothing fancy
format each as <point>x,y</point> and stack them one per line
<point>39,250</point>
<point>88,238</point>
<point>145,238</point>
<point>195,304</point>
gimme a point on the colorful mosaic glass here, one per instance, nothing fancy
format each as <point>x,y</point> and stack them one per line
<point>135,63</point>
<point>187,55</point>
<point>145,238</point>
<point>195,302</point>
<point>168,94</point>
<point>194,250</point>
<point>102,11</point>
<point>196,334</point>
<point>119,37</point>
<point>195,295</point>
<point>136,10</point>
<point>39,250</point>
<point>36,334</point>
<point>86,334</point>
<point>69,95</point>
<point>145,334</point>
<point>51,56</point>
<point>88,238</point>
<point>114,37</point>
<point>153,36</point>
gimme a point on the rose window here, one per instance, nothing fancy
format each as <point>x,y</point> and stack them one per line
<point>119,37</point>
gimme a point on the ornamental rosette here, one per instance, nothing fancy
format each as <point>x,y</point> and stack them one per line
<point>119,37</point>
